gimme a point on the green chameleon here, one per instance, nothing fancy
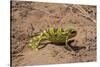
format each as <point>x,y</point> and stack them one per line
<point>53,35</point>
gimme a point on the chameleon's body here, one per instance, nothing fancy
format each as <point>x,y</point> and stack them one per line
<point>53,35</point>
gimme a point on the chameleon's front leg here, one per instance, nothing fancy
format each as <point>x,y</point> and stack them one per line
<point>67,45</point>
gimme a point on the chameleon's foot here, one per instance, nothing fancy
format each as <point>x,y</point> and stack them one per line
<point>68,48</point>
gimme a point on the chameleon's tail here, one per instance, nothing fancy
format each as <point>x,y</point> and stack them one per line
<point>33,42</point>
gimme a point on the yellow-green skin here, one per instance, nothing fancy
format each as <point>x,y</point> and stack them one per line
<point>53,35</point>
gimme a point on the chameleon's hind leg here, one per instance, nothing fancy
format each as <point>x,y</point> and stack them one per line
<point>42,45</point>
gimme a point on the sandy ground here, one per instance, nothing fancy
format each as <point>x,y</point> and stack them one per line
<point>28,18</point>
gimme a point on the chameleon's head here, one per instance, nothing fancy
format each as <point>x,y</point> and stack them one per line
<point>71,33</point>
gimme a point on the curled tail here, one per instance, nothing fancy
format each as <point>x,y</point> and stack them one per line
<point>36,40</point>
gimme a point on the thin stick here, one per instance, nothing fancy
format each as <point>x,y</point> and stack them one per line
<point>84,13</point>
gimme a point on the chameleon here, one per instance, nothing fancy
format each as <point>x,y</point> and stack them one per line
<point>53,35</point>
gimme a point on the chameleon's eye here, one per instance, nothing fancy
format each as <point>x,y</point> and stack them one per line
<point>73,32</point>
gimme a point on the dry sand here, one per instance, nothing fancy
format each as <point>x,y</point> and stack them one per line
<point>28,18</point>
